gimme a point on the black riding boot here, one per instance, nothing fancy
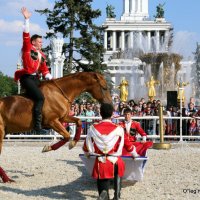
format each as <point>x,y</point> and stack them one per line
<point>117,188</point>
<point>38,124</point>
<point>117,184</point>
<point>103,189</point>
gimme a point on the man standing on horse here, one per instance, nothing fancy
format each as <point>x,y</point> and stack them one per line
<point>34,64</point>
<point>105,140</point>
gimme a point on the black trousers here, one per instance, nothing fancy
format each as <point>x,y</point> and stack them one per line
<point>104,184</point>
<point>31,84</point>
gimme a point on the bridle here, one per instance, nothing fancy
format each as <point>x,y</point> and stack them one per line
<point>54,81</point>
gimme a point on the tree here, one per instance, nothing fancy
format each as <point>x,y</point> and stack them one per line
<point>7,86</point>
<point>74,20</point>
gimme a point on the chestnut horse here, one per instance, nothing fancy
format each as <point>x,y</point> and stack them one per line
<point>16,111</point>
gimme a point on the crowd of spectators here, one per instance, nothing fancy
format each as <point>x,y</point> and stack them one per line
<point>143,108</point>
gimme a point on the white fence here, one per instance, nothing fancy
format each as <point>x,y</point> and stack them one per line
<point>52,135</point>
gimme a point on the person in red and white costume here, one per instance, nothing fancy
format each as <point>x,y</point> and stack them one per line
<point>132,128</point>
<point>34,64</point>
<point>105,140</point>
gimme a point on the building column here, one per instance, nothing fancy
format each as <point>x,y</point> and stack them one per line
<point>113,79</point>
<point>132,7</point>
<point>149,40</point>
<point>122,41</point>
<point>157,41</point>
<point>166,40</point>
<point>139,6</point>
<point>114,40</point>
<point>105,40</point>
<point>131,39</point>
<point>140,38</point>
<point>57,58</point>
<point>126,7</point>
<point>111,40</point>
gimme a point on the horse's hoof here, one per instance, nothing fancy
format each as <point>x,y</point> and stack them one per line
<point>46,148</point>
<point>79,123</point>
<point>9,181</point>
<point>72,144</point>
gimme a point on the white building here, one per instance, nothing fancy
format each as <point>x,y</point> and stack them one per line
<point>133,32</point>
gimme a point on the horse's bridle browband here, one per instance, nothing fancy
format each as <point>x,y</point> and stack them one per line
<point>61,91</point>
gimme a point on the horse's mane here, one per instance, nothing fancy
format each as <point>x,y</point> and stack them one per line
<point>74,75</point>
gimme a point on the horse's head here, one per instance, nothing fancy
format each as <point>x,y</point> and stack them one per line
<point>99,89</point>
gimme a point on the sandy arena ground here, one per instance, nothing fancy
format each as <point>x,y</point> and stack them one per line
<point>169,174</point>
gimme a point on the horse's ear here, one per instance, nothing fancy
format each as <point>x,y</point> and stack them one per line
<point>101,80</point>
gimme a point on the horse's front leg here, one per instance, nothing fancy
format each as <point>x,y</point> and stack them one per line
<point>5,177</point>
<point>58,127</point>
<point>71,119</point>
<point>3,174</point>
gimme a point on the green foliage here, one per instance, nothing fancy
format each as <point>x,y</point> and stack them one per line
<point>85,97</point>
<point>7,86</point>
<point>74,20</point>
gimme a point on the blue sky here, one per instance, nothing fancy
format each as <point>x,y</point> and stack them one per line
<point>183,14</point>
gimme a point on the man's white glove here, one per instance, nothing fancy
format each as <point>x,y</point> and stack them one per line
<point>48,76</point>
<point>144,138</point>
<point>134,153</point>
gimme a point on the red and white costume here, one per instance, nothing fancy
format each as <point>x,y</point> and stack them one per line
<point>34,61</point>
<point>106,141</point>
<point>141,147</point>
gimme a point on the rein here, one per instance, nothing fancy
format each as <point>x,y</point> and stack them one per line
<point>61,91</point>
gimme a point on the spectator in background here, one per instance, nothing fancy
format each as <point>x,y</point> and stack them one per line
<point>72,111</point>
<point>135,110</point>
<point>89,113</point>
<point>142,100</point>
<point>193,127</point>
<point>76,109</point>
<point>140,103</point>
<point>154,104</point>
<point>191,110</point>
<point>169,122</point>
<point>192,100</point>
<point>148,123</point>
<point>122,106</point>
<point>149,104</point>
<point>131,103</point>
<point>81,113</point>
<point>144,107</point>
<point>97,110</point>
<point>116,114</point>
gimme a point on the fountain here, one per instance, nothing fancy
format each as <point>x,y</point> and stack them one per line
<point>163,67</point>
<point>195,80</point>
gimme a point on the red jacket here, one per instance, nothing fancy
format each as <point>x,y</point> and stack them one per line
<point>141,148</point>
<point>136,128</point>
<point>31,62</point>
<point>106,170</point>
